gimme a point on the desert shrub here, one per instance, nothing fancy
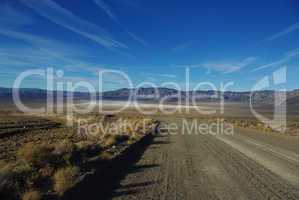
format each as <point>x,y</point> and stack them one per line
<point>84,145</point>
<point>46,171</point>
<point>131,141</point>
<point>88,149</point>
<point>37,155</point>
<point>130,130</point>
<point>113,139</point>
<point>32,195</point>
<point>66,150</point>
<point>135,136</point>
<point>13,178</point>
<point>6,182</point>
<point>2,164</point>
<point>65,179</point>
<point>105,155</point>
<point>109,140</point>
<point>65,146</point>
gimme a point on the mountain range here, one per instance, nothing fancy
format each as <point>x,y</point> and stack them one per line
<point>154,94</point>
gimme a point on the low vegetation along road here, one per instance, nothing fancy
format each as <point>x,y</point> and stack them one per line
<point>246,165</point>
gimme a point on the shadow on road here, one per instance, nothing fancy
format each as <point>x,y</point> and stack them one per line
<point>161,142</point>
<point>131,189</point>
<point>102,185</point>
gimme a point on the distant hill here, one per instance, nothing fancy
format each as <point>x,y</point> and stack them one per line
<point>294,101</point>
<point>293,105</point>
<point>32,94</point>
<point>259,97</point>
<point>152,94</point>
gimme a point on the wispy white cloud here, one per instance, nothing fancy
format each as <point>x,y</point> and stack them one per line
<point>13,61</point>
<point>10,17</point>
<point>290,29</point>
<point>23,57</point>
<point>108,11</point>
<point>63,17</point>
<point>155,75</point>
<point>75,79</point>
<point>44,52</point>
<point>26,53</point>
<point>106,8</point>
<point>39,46</point>
<point>29,38</point>
<point>167,75</point>
<point>34,51</point>
<point>87,67</point>
<point>138,39</point>
<point>227,67</point>
<point>287,57</point>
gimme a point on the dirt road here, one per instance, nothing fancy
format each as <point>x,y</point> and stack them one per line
<point>196,166</point>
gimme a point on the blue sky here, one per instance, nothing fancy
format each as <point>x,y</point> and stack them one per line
<point>153,41</point>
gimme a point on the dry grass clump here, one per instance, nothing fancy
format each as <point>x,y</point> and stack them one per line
<point>37,155</point>
<point>128,130</point>
<point>2,164</point>
<point>135,136</point>
<point>250,123</point>
<point>36,165</point>
<point>40,168</point>
<point>292,127</point>
<point>87,149</point>
<point>66,150</point>
<point>65,179</point>
<point>105,155</point>
<point>110,140</point>
<point>32,195</point>
<point>40,156</point>
<point>242,123</point>
<point>14,178</point>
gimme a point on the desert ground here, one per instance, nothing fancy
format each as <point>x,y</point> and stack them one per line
<point>247,165</point>
<point>254,162</point>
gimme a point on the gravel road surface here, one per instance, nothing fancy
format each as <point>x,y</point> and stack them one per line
<point>196,166</point>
